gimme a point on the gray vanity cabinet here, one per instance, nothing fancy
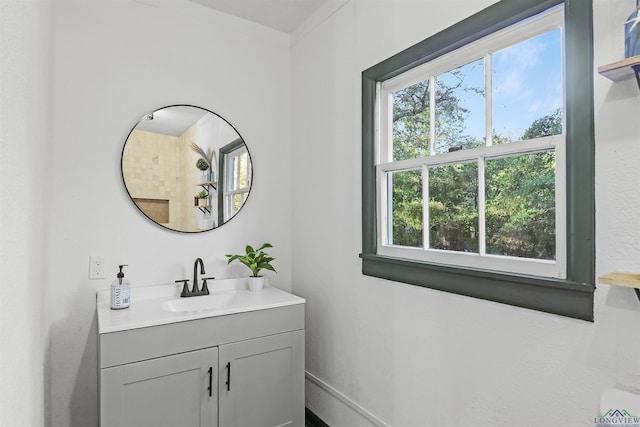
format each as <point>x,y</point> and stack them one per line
<point>259,382</point>
<point>168,391</point>
<point>237,370</point>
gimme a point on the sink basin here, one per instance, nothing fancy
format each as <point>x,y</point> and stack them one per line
<point>160,304</point>
<point>213,301</point>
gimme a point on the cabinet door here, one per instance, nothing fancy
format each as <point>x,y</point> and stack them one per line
<point>178,390</point>
<point>262,382</point>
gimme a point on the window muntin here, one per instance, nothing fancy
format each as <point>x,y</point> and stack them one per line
<point>423,126</point>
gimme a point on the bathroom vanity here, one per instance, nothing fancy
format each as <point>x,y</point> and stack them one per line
<point>231,358</point>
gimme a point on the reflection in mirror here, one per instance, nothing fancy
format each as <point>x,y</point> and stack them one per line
<point>170,165</point>
<point>235,167</point>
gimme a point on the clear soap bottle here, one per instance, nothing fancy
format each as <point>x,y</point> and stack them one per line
<point>120,291</point>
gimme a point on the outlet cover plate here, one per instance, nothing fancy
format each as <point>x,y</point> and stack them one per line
<point>96,267</point>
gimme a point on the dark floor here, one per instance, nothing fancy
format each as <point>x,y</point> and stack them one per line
<point>312,420</point>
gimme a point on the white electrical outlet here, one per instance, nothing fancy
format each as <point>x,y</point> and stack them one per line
<point>96,267</point>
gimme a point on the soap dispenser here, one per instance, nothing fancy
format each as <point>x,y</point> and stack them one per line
<point>120,291</point>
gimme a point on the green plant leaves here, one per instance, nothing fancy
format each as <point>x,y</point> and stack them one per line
<point>254,260</point>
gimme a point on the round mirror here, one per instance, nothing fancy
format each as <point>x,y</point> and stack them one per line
<point>186,168</point>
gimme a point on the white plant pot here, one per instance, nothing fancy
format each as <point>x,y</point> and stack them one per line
<point>256,283</point>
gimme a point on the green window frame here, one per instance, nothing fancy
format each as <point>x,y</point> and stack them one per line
<point>572,296</point>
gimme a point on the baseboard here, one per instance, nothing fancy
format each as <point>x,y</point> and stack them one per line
<point>312,420</point>
<point>323,398</point>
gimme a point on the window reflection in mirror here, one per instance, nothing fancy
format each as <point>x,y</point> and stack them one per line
<point>235,167</point>
<point>170,168</point>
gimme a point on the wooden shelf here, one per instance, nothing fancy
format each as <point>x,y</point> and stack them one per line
<point>621,70</point>
<point>207,184</point>
<point>619,278</point>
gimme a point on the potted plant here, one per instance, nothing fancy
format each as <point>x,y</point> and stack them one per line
<point>202,198</point>
<point>202,165</point>
<point>206,161</point>
<point>255,260</point>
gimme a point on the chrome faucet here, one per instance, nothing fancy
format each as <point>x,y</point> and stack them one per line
<point>194,292</point>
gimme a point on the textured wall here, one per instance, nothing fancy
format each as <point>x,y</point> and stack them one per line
<point>25,125</point>
<point>381,352</point>
<point>154,164</point>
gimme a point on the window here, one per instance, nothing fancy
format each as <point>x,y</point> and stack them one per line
<point>476,179</point>
<point>468,167</point>
<point>236,175</point>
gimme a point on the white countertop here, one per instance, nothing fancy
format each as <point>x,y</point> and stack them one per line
<point>151,305</point>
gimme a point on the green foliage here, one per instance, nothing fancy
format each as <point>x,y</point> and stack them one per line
<point>520,205</point>
<point>411,123</point>
<point>519,190</point>
<point>411,131</point>
<point>407,208</point>
<point>255,260</point>
<point>545,126</point>
<point>202,164</point>
<point>202,195</point>
<point>520,198</point>
<point>453,207</point>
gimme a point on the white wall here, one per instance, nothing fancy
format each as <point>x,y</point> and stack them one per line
<point>381,352</point>
<point>398,354</point>
<point>114,61</point>
<point>25,123</point>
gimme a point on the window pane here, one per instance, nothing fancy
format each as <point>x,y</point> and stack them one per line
<point>232,171</point>
<point>239,171</point>
<point>411,122</point>
<point>228,207</point>
<point>238,201</point>
<point>405,208</point>
<point>527,92</point>
<point>460,108</point>
<point>520,205</point>
<point>453,207</point>
<point>244,170</point>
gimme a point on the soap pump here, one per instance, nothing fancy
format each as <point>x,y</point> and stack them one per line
<point>120,291</point>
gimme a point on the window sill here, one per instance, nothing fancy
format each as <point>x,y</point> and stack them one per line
<point>556,296</point>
